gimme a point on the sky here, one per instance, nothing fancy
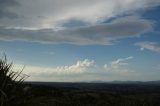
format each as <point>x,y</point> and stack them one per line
<point>82,40</point>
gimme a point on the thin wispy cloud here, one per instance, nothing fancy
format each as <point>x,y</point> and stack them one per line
<point>152,46</point>
<point>118,66</point>
<point>121,61</point>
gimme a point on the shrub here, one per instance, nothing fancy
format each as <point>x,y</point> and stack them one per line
<point>10,83</point>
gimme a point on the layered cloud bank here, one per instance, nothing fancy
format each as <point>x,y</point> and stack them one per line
<point>43,13</point>
<point>99,34</point>
<point>52,21</point>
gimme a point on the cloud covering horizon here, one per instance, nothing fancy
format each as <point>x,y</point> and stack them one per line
<point>86,70</point>
<point>80,68</point>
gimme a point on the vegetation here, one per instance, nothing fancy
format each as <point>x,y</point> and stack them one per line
<point>51,96</point>
<point>11,89</point>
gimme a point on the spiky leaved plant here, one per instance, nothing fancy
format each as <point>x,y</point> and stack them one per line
<point>9,82</point>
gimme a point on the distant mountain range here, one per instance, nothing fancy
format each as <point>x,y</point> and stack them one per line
<point>104,82</point>
<point>137,86</point>
<point>127,82</point>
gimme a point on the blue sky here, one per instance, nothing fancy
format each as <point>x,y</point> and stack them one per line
<point>82,40</point>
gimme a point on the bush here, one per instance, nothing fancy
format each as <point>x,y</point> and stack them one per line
<point>10,83</point>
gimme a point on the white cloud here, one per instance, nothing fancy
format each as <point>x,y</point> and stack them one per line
<point>88,70</point>
<point>152,46</point>
<point>79,67</point>
<point>117,66</point>
<point>85,70</point>
<point>35,71</point>
<point>79,70</point>
<point>50,13</point>
<point>121,61</point>
<point>43,20</point>
<point>129,26</point>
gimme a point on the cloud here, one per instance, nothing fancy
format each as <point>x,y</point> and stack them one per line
<point>80,71</point>
<point>86,67</point>
<point>88,70</point>
<point>5,9</point>
<point>152,46</point>
<point>129,26</point>
<point>73,21</point>
<point>79,68</point>
<point>121,61</point>
<point>53,13</point>
<point>117,66</point>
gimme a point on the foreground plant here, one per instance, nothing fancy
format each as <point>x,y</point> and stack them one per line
<point>10,83</point>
